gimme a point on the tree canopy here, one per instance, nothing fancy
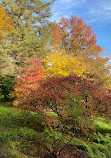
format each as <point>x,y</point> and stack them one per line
<point>76,37</point>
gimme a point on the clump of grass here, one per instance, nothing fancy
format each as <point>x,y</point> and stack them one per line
<point>102,125</point>
<point>10,118</point>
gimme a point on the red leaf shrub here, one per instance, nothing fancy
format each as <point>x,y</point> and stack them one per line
<point>89,98</point>
<point>72,98</point>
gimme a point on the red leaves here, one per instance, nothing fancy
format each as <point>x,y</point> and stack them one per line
<point>28,82</point>
<point>55,89</point>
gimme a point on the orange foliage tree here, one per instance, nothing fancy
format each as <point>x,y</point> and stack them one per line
<point>6,24</point>
<point>75,36</point>
<point>77,39</point>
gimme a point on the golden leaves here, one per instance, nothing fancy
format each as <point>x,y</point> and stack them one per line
<point>60,63</point>
<point>6,24</point>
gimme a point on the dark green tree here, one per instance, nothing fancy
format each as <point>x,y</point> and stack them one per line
<point>6,87</point>
<point>31,34</point>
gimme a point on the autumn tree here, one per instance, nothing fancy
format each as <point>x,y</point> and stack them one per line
<point>77,39</point>
<point>31,25</point>
<point>99,67</point>
<point>75,36</point>
<point>107,82</point>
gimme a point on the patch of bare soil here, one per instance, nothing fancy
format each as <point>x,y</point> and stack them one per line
<point>2,153</point>
<point>69,152</point>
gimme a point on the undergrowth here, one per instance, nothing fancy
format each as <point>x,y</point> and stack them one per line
<point>24,135</point>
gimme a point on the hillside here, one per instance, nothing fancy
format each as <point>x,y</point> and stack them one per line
<point>24,135</point>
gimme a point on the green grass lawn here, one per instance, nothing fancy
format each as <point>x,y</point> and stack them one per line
<point>24,135</point>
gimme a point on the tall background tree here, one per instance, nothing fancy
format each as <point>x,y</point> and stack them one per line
<point>30,18</point>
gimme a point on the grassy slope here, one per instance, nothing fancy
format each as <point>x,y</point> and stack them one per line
<point>23,135</point>
<point>19,132</point>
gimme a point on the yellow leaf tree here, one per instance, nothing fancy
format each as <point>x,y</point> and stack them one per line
<point>60,63</point>
<point>6,24</point>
